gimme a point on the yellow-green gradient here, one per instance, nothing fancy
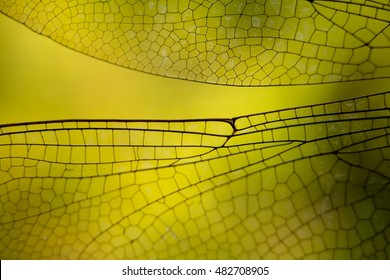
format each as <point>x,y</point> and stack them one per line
<point>230,42</point>
<point>305,176</point>
<point>41,80</point>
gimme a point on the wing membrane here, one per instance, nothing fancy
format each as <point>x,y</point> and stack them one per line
<point>222,42</point>
<point>308,182</point>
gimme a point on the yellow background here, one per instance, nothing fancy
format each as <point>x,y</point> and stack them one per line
<point>42,80</point>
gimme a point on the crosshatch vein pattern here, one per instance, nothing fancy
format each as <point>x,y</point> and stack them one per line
<point>301,183</point>
<point>228,42</point>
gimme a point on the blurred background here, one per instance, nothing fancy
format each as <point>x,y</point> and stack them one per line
<point>42,80</point>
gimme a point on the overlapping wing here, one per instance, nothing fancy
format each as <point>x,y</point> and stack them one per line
<point>308,182</point>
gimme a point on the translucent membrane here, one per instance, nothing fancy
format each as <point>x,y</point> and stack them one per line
<point>230,42</point>
<point>300,183</point>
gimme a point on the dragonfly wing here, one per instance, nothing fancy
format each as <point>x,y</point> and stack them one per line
<point>238,43</point>
<point>308,182</point>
